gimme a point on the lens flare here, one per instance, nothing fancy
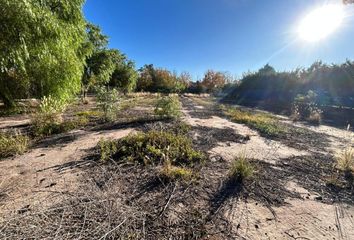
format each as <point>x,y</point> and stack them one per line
<point>321,22</point>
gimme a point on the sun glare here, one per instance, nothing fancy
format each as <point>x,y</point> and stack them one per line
<point>321,22</point>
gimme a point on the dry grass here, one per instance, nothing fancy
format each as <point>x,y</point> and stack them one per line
<point>12,144</point>
<point>241,169</point>
<point>345,159</point>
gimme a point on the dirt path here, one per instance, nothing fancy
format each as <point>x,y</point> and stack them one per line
<point>38,177</point>
<point>306,217</point>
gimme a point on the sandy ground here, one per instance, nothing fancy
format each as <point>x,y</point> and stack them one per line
<point>42,174</point>
<point>53,167</point>
<point>300,218</point>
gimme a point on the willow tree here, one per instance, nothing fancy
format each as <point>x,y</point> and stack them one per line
<point>41,48</point>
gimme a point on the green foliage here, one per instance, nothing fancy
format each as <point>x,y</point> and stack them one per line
<point>124,76</point>
<point>153,79</point>
<point>263,123</point>
<point>108,101</point>
<point>11,145</point>
<point>107,149</point>
<point>168,106</point>
<point>153,147</point>
<point>241,169</point>
<point>40,48</point>
<point>48,119</point>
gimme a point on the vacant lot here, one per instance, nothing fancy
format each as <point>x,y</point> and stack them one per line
<point>215,172</point>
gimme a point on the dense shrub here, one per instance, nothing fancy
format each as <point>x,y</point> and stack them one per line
<point>12,144</point>
<point>169,107</point>
<point>108,102</point>
<point>153,147</point>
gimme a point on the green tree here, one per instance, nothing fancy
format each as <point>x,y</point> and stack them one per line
<point>41,48</point>
<point>100,61</point>
<point>124,76</point>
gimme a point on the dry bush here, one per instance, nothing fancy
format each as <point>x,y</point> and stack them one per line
<point>12,144</point>
<point>345,160</point>
<point>173,173</point>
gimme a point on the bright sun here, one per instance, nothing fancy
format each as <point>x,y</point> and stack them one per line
<point>321,22</point>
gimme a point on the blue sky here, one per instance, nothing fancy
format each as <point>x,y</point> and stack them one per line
<point>224,35</point>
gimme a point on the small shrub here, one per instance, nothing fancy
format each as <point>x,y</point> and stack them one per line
<point>305,108</point>
<point>108,101</point>
<point>154,147</point>
<point>48,118</point>
<point>11,145</point>
<point>169,107</point>
<point>173,173</point>
<point>241,169</point>
<point>107,148</point>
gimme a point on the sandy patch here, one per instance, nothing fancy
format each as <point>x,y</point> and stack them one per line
<point>31,178</point>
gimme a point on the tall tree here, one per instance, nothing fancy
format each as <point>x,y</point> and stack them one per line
<point>40,48</point>
<point>124,76</point>
<point>213,80</point>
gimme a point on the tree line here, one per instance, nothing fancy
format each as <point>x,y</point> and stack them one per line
<point>332,84</point>
<point>48,48</point>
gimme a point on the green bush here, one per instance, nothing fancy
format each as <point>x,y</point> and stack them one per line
<point>241,169</point>
<point>169,107</point>
<point>11,145</point>
<point>107,149</point>
<point>108,102</point>
<point>153,147</point>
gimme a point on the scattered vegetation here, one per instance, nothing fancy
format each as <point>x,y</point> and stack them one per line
<point>264,123</point>
<point>12,144</point>
<point>169,107</point>
<point>241,169</point>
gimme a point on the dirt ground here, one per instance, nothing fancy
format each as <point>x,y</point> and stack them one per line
<point>290,200</point>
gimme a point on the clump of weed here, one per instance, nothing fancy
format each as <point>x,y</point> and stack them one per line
<point>154,147</point>
<point>12,144</point>
<point>241,169</point>
<point>173,173</point>
<point>169,107</point>
<point>264,123</point>
<point>345,159</point>
<point>108,101</point>
<point>89,114</point>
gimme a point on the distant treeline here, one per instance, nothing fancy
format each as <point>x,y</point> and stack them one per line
<point>332,85</point>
